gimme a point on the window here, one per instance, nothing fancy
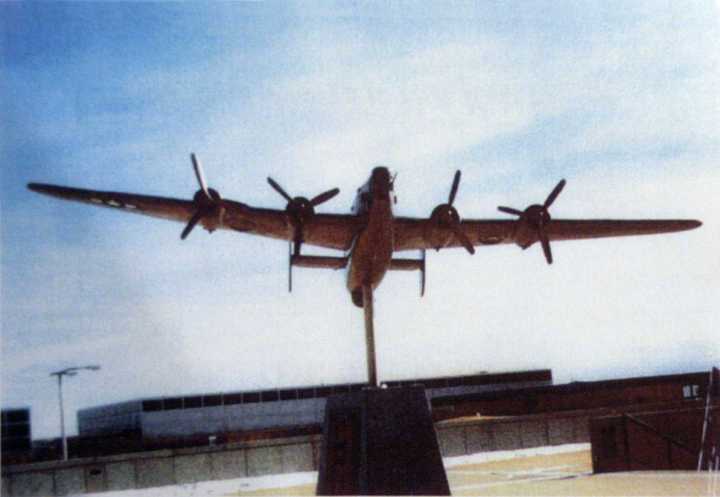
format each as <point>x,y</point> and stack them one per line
<point>288,394</point>
<point>269,395</point>
<point>437,383</point>
<point>691,391</point>
<point>251,397</point>
<point>233,398</point>
<point>173,403</point>
<point>306,393</point>
<point>323,391</point>
<point>212,400</point>
<point>152,405</point>
<point>339,389</point>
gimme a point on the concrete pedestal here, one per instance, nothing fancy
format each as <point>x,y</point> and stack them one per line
<point>380,442</point>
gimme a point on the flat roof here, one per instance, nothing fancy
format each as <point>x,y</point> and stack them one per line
<point>700,378</point>
<point>317,391</point>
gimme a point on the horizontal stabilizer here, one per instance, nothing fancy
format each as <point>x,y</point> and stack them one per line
<point>411,265</point>
<point>318,261</point>
<point>407,264</point>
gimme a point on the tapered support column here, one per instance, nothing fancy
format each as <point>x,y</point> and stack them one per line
<point>370,335</point>
<point>380,441</point>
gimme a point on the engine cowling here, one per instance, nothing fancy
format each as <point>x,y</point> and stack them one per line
<point>300,210</point>
<point>444,223</point>
<point>209,208</point>
<point>438,231</point>
<point>213,208</point>
<point>532,222</point>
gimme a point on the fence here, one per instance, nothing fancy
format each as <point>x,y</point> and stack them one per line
<point>273,456</point>
<point>164,467</point>
<point>663,440</point>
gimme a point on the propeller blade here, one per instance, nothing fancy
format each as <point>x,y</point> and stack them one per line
<point>462,238</point>
<point>553,194</point>
<point>200,176</point>
<point>422,274</point>
<point>510,210</point>
<point>279,189</point>
<point>454,189</point>
<point>290,265</point>
<point>191,224</point>
<point>545,242</point>
<point>324,197</point>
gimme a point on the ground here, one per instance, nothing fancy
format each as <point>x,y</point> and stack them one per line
<point>542,471</point>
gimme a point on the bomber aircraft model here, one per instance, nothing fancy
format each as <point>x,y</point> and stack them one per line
<point>370,235</point>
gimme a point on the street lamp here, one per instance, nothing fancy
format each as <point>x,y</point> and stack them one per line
<point>67,372</point>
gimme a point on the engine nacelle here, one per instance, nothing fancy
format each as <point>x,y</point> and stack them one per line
<point>214,209</point>
<point>529,223</point>
<point>438,232</point>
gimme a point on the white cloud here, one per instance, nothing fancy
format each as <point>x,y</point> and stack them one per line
<point>211,313</point>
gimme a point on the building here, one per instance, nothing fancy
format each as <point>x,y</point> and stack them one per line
<point>581,395</point>
<point>213,415</point>
<point>682,437</point>
<point>16,433</point>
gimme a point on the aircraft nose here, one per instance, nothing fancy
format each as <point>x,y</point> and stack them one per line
<point>380,181</point>
<point>381,173</point>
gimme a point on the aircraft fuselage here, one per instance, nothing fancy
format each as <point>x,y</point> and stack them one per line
<point>373,248</point>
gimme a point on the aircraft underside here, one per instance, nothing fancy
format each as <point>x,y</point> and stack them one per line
<point>370,231</point>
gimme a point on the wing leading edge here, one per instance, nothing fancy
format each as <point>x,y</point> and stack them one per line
<point>338,231</point>
<point>414,234</point>
<point>323,230</point>
<point>568,229</point>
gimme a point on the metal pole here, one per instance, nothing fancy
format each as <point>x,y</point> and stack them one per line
<point>62,419</point>
<point>370,335</point>
<point>69,372</point>
<point>705,422</point>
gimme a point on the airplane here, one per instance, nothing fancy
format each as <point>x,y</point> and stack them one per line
<point>370,235</point>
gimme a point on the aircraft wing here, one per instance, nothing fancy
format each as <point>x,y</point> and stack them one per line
<point>568,229</point>
<point>323,230</point>
<point>413,233</point>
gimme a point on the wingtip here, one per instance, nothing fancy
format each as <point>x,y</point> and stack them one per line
<point>37,187</point>
<point>46,189</point>
<point>687,224</point>
<point>54,190</point>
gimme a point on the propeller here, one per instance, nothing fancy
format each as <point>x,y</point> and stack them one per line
<point>538,216</point>
<point>207,201</point>
<point>447,216</point>
<point>300,209</point>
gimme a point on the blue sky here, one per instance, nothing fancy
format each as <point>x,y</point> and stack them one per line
<point>619,98</point>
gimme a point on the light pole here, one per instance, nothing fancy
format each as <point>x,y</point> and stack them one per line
<point>67,372</point>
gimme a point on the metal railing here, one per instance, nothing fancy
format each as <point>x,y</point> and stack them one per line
<point>670,442</point>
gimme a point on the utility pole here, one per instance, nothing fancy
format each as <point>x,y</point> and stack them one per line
<point>67,372</point>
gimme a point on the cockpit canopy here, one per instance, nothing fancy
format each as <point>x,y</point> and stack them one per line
<point>379,185</point>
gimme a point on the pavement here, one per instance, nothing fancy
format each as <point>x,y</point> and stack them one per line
<point>564,470</point>
<point>548,471</point>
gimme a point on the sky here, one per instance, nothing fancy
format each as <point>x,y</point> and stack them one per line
<point>619,98</point>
